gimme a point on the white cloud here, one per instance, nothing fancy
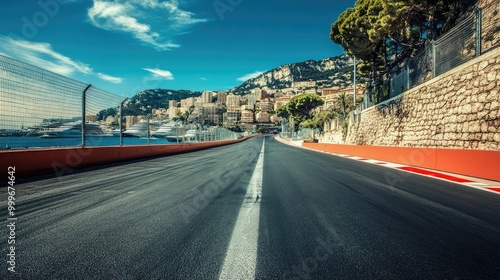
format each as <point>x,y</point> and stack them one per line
<point>111,79</point>
<point>152,22</point>
<point>203,79</point>
<point>250,76</point>
<point>159,74</point>
<point>43,56</point>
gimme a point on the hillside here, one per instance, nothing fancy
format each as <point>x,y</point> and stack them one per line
<point>335,71</point>
<point>144,101</point>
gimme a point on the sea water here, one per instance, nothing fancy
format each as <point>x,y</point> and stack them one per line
<point>30,142</point>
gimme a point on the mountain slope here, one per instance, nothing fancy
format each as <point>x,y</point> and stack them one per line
<point>143,102</point>
<point>335,71</point>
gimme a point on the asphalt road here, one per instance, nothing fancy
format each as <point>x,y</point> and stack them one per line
<point>247,212</point>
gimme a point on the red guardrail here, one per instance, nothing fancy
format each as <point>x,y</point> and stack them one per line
<point>474,163</point>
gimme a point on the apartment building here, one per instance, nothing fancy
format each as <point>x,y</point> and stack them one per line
<point>329,95</point>
<point>206,97</point>
<point>221,97</point>
<point>281,101</point>
<point>230,118</point>
<point>260,94</point>
<point>233,102</point>
<point>262,117</point>
<point>265,106</point>
<point>247,117</point>
<point>188,102</point>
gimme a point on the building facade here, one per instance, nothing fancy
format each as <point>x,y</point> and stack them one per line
<point>233,102</point>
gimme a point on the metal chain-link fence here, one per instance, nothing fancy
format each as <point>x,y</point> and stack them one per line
<point>420,68</point>
<point>457,46</point>
<point>35,103</point>
<point>474,35</point>
<point>41,109</point>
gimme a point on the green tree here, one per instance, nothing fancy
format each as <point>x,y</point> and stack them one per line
<point>343,101</point>
<point>282,111</point>
<point>300,107</point>
<point>382,33</point>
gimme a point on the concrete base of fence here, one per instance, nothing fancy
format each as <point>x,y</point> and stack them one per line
<point>474,163</point>
<point>30,163</point>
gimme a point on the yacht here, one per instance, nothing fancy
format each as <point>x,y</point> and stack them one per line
<point>169,129</point>
<point>72,130</point>
<point>192,136</point>
<point>116,132</point>
<point>139,129</point>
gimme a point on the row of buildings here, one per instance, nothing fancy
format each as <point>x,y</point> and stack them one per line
<point>226,109</point>
<point>249,111</point>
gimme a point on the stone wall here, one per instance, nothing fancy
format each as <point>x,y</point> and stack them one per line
<point>490,23</point>
<point>459,109</point>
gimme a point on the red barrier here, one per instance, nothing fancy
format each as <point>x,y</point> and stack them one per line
<point>30,163</point>
<point>474,163</point>
<point>481,164</point>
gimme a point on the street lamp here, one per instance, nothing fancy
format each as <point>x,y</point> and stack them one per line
<point>354,82</point>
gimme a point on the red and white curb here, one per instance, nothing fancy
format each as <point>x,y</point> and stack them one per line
<point>489,186</point>
<point>493,187</point>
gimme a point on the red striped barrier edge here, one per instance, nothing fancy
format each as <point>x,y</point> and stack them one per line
<point>474,163</point>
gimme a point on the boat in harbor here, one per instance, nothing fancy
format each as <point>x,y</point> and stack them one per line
<point>72,130</point>
<point>115,132</point>
<point>169,129</point>
<point>192,136</point>
<point>139,129</point>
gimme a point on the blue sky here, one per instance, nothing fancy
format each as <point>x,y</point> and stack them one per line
<point>128,46</point>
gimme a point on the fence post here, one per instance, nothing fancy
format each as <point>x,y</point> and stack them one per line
<point>408,75</point>
<point>433,43</point>
<point>121,121</point>
<point>84,101</point>
<point>479,23</point>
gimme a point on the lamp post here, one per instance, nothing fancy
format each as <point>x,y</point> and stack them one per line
<point>354,82</point>
<point>121,121</point>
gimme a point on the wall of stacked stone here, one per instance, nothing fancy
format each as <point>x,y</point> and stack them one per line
<point>459,109</point>
<point>490,26</point>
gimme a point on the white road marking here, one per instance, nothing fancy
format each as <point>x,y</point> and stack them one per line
<point>241,256</point>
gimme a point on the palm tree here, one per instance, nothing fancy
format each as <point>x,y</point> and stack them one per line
<point>343,102</point>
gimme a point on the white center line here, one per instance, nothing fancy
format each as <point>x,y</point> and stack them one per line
<point>241,256</point>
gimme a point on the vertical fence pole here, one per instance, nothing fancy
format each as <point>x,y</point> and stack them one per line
<point>408,75</point>
<point>121,121</point>
<point>433,43</point>
<point>148,116</point>
<point>479,23</point>
<point>84,101</point>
